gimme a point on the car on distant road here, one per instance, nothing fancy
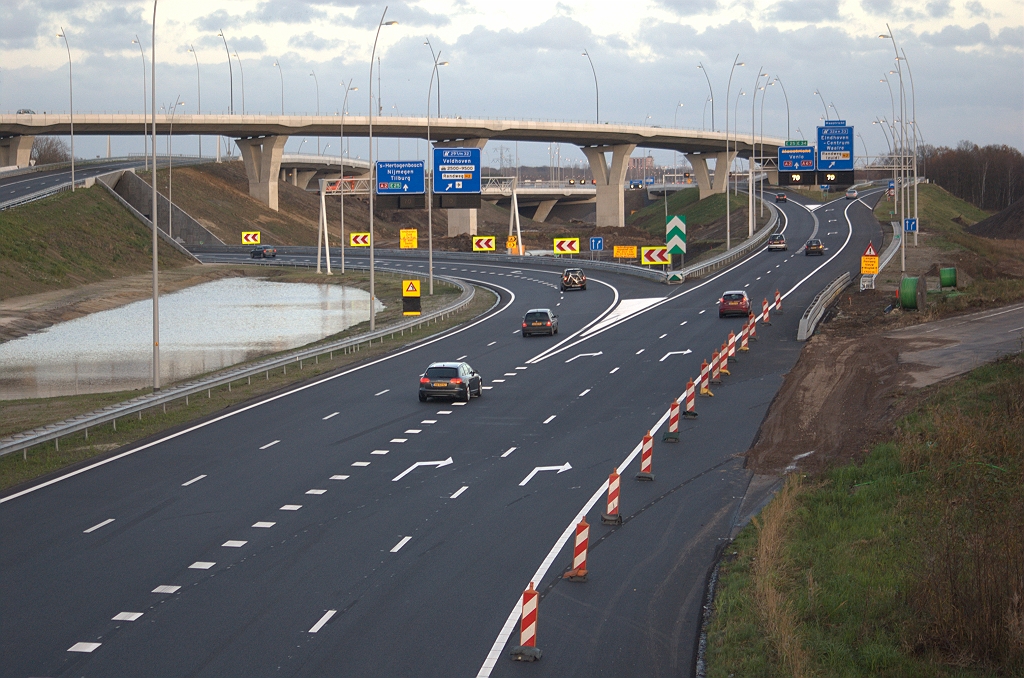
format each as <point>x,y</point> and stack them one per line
<point>733,302</point>
<point>814,246</point>
<point>455,380</point>
<point>851,194</point>
<point>25,111</point>
<point>780,197</point>
<point>263,252</point>
<point>540,321</point>
<point>574,279</point>
<point>777,241</point>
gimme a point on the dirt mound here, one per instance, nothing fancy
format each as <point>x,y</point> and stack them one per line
<point>1005,225</point>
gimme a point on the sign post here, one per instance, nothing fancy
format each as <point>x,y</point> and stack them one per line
<point>410,297</point>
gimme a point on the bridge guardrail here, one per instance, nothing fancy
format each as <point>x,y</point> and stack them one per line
<point>812,316</point>
<point>53,432</point>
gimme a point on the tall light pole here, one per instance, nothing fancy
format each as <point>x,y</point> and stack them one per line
<point>704,116</point>
<point>712,93</point>
<point>597,91</point>
<point>913,121</point>
<point>430,161</point>
<point>753,148</point>
<point>145,127</point>
<point>241,73</point>
<point>71,97</point>
<point>779,80</point>
<point>373,178</point>
<point>675,154</point>
<point>277,62</point>
<point>231,75</point>
<point>199,96</point>
<point>761,140</point>
<point>317,83</point>
<point>435,57</point>
<point>156,280</point>
<point>728,163</point>
<point>170,149</point>
<point>822,103</point>
<point>341,142</point>
<point>865,146</point>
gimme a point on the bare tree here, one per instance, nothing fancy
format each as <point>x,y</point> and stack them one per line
<point>47,150</point>
<point>990,177</point>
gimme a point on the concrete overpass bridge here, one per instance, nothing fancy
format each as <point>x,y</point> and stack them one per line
<point>261,140</point>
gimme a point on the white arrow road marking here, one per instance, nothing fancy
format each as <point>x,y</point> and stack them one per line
<point>412,468</point>
<point>560,469</point>
<point>686,352</point>
<point>585,355</point>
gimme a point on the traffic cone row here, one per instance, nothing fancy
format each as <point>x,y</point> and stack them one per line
<point>672,434</point>
<point>778,301</point>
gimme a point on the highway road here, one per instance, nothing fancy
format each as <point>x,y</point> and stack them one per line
<point>324,531</point>
<point>14,187</point>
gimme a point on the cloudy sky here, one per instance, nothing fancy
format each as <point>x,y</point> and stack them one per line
<point>523,59</point>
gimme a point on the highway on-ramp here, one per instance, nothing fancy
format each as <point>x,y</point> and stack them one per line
<point>323,530</point>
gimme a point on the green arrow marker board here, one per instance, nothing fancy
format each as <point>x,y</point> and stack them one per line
<point>675,234</point>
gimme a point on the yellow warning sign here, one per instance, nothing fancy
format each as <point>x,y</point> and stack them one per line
<point>410,288</point>
<point>869,265</point>
<point>624,251</point>
<point>250,237</point>
<point>511,242</point>
<point>409,238</point>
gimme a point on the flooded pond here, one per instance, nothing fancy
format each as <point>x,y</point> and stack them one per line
<point>202,328</point>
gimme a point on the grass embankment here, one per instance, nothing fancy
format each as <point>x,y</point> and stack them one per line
<point>27,414</point>
<point>699,213</point>
<point>908,564</point>
<point>71,239</point>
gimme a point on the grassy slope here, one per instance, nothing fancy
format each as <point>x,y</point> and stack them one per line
<point>72,239</point>
<point>698,212</point>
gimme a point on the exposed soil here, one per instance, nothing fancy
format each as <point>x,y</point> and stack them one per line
<point>1004,225</point>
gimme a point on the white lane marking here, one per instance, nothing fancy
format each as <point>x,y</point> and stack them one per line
<point>487,388</point>
<point>758,278</point>
<point>459,491</point>
<point>497,381</point>
<point>270,444</point>
<point>559,469</point>
<point>509,451</point>
<point>585,355</point>
<point>515,331</point>
<point>413,431</point>
<point>746,286</point>
<point>458,404</point>
<point>614,371</point>
<point>438,464</point>
<point>398,547</point>
<point>686,352</point>
<point>584,393</point>
<point>235,543</point>
<point>510,374</point>
<point>549,419</point>
<point>462,357</point>
<point>126,616</point>
<point>523,368</point>
<point>683,323</point>
<point>264,524</point>
<point>702,312</point>
<point>492,343</point>
<point>662,336</point>
<point>98,526</point>
<point>83,647</point>
<point>332,414</point>
<point>201,565</point>
<point>1015,329</point>
<point>194,480</point>
<point>398,440</point>
<point>381,393</point>
<point>380,452</point>
<point>316,491</point>
<point>360,463</point>
<point>640,351</point>
<point>163,588</point>
<point>339,477</point>
<point>294,507</point>
<point>429,421</point>
<point>444,411</point>
<point>558,304</point>
<point>323,620</point>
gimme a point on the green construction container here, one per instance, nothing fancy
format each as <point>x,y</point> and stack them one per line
<point>947,277</point>
<point>912,293</point>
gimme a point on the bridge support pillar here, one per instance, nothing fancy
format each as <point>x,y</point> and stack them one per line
<point>262,157</point>
<point>610,181</point>
<point>16,151</point>
<point>543,210</point>
<point>700,168</point>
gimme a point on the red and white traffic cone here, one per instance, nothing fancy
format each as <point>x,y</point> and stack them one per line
<point>723,359</point>
<point>752,322</point>
<point>646,453</point>
<point>579,553</point>
<point>744,334</point>
<point>691,405</point>
<point>527,650</point>
<point>705,372</point>
<point>716,362</point>
<point>612,517</point>
<point>672,434</point>
<point>766,312</point>
<point>732,345</point>
<point>778,302</point>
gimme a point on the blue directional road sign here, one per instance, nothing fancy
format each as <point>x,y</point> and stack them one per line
<point>835,147</point>
<point>596,244</point>
<point>395,178</point>
<point>892,184</point>
<point>457,170</point>
<point>796,159</point>
<point>649,181</point>
<point>910,225</point>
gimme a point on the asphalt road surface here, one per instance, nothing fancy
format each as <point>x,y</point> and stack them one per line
<point>297,536</point>
<point>12,188</point>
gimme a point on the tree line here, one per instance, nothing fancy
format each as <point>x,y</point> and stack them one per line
<point>989,177</point>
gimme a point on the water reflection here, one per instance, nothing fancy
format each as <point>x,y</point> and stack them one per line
<point>202,328</point>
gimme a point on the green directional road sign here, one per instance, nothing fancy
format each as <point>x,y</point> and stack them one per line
<point>675,234</point>
<point>797,142</point>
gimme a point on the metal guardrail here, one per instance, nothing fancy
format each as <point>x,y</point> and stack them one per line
<point>812,316</point>
<point>53,432</point>
<point>738,252</point>
<point>867,282</point>
<point>38,195</point>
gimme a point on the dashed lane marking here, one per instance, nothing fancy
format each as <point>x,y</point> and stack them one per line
<point>84,647</point>
<point>163,588</point>
<point>194,480</point>
<point>640,351</point>
<point>201,565</point>
<point>295,507</point>
<point>398,440</point>
<point>126,616</point>
<point>234,543</point>
<point>702,312</point>
<point>497,381</point>
<point>271,444</point>
<point>412,431</point>
<point>487,388</point>
<point>323,620</point>
<point>264,524</point>
<point>550,419</point>
<point>379,452</point>
<point>614,371</point>
<point>458,404</point>
<point>429,421</point>
<point>511,374</point>
<point>315,491</point>
<point>683,323</point>
<point>522,368</point>
<point>381,393</point>
<point>459,491</point>
<point>360,463</point>
<point>584,393</point>
<point>332,414</point>
<point>398,547</point>
<point>339,477</point>
<point>462,357</point>
<point>98,526</point>
<point>492,343</point>
<point>444,411</point>
<point>509,451</point>
<point>662,336</point>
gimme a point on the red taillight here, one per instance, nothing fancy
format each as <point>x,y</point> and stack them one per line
<point>524,324</point>
<point>456,380</point>
<point>424,380</point>
<point>548,323</point>
<point>721,300</point>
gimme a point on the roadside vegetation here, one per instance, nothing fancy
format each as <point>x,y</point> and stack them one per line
<point>24,415</point>
<point>910,563</point>
<point>71,239</point>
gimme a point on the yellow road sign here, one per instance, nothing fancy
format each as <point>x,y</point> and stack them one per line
<point>410,288</point>
<point>358,239</point>
<point>511,242</point>
<point>624,251</point>
<point>483,243</point>
<point>250,237</point>
<point>869,265</point>
<point>409,238</point>
<point>566,246</point>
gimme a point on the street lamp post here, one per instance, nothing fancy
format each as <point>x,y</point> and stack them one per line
<point>373,54</point>
<point>71,97</point>
<point>675,154</point>
<point>231,76</point>
<point>753,148</point>
<point>913,122</point>
<point>779,80</point>
<point>317,83</point>
<point>341,142</point>
<point>712,93</point>
<point>170,149</point>
<point>435,57</point>
<point>277,62</point>
<point>761,140</point>
<point>903,137</point>
<point>241,73</point>
<point>728,163</point>
<point>199,96</point>
<point>156,272</point>
<point>822,103</point>
<point>145,127</point>
<point>430,161</point>
<point>597,91</point>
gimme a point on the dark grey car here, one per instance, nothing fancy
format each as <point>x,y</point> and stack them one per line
<point>540,321</point>
<point>453,380</point>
